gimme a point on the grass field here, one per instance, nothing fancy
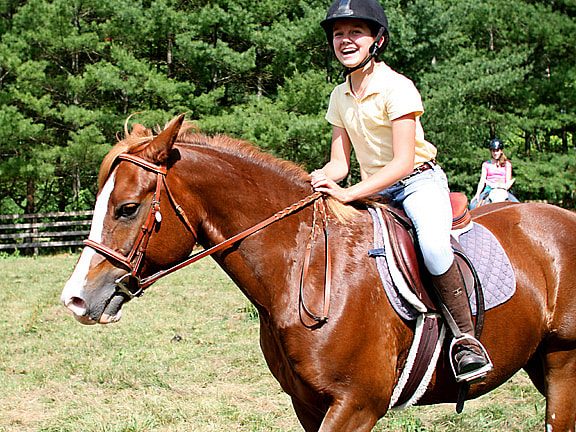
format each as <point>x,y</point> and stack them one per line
<point>185,357</point>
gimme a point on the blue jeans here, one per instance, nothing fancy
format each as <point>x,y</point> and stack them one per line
<point>426,201</point>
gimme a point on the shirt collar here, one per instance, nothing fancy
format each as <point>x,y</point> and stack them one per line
<point>376,83</point>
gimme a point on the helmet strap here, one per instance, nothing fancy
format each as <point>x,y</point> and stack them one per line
<point>380,41</point>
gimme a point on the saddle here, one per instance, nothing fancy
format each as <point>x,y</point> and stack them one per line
<point>409,288</point>
<point>407,254</point>
<point>409,261</point>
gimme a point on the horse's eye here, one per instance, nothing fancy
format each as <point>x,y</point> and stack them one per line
<point>127,210</point>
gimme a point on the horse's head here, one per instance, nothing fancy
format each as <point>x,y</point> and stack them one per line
<point>128,235</point>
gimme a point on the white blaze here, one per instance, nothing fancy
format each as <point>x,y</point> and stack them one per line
<point>77,281</point>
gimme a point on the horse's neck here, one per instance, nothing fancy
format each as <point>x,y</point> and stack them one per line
<point>239,206</point>
<point>261,263</point>
<point>236,200</point>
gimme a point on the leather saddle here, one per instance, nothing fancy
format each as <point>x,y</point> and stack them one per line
<point>407,253</point>
<point>408,259</point>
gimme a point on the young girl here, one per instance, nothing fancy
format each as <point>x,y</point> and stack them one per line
<point>377,113</point>
<point>496,173</point>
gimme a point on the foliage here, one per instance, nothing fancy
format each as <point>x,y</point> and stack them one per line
<point>288,126</point>
<point>71,72</point>
<point>503,81</point>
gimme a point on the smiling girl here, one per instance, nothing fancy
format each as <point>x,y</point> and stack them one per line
<point>376,112</point>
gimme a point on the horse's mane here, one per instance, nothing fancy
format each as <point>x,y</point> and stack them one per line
<point>140,137</point>
<point>245,150</point>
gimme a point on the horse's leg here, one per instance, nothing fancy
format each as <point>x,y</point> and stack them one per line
<point>345,416</point>
<point>560,385</point>
<point>310,417</point>
<point>535,370</point>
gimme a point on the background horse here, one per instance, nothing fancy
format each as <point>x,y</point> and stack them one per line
<point>496,194</point>
<point>339,373</point>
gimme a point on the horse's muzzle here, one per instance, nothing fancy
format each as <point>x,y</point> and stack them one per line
<point>109,311</point>
<point>113,310</point>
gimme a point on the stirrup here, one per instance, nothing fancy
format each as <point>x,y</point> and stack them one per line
<point>474,375</point>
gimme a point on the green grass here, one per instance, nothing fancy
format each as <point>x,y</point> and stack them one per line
<point>59,376</point>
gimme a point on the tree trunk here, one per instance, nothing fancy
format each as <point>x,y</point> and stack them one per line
<point>527,140</point>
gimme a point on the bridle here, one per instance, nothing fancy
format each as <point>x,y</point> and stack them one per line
<point>131,284</point>
<point>133,261</point>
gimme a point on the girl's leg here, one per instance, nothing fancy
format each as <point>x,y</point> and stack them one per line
<point>427,203</point>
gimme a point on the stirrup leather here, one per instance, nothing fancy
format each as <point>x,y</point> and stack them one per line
<point>474,375</point>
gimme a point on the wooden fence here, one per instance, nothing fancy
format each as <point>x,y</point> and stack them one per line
<point>32,232</point>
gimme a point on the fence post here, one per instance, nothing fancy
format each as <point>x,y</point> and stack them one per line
<point>35,234</point>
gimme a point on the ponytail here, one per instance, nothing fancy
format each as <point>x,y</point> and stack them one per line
<point>502,161</point>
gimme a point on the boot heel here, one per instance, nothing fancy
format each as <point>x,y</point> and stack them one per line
<point>477,373</point>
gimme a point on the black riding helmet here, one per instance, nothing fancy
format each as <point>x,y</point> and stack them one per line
<point>369,11</point>
<point>496,144</point>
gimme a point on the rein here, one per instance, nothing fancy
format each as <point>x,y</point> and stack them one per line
<point>321,210</point>
<point>132,286</point>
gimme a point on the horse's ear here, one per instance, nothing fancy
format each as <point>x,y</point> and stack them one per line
<point>157,151</point>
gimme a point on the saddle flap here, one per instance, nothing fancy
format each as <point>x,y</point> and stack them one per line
<point>404,252</point>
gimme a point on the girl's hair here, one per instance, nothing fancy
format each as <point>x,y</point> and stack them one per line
<point>503,159</point>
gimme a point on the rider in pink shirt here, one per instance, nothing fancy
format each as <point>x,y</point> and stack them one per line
<point>496,173</point>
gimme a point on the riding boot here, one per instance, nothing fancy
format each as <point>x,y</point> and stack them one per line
<point>469,355</point>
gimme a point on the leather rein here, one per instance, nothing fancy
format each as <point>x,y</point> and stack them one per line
<point>131,285</point>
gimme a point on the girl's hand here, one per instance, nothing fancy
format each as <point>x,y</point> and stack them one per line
<point>321,183</point>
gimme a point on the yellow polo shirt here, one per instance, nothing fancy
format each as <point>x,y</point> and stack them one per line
<point>368,121</point>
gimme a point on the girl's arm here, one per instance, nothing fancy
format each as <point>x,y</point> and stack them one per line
<point>402,164</point>
<point>481,183</point>
<point>339,165</point>
<point>508,172</point>
<point>509,180</point>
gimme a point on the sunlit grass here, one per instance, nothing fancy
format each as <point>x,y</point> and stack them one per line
<point>59,376</point>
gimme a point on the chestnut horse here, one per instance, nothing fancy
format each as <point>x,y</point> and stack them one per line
<point>341,371</point>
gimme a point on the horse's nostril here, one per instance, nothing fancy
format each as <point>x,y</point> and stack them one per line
<point>77,305</point>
